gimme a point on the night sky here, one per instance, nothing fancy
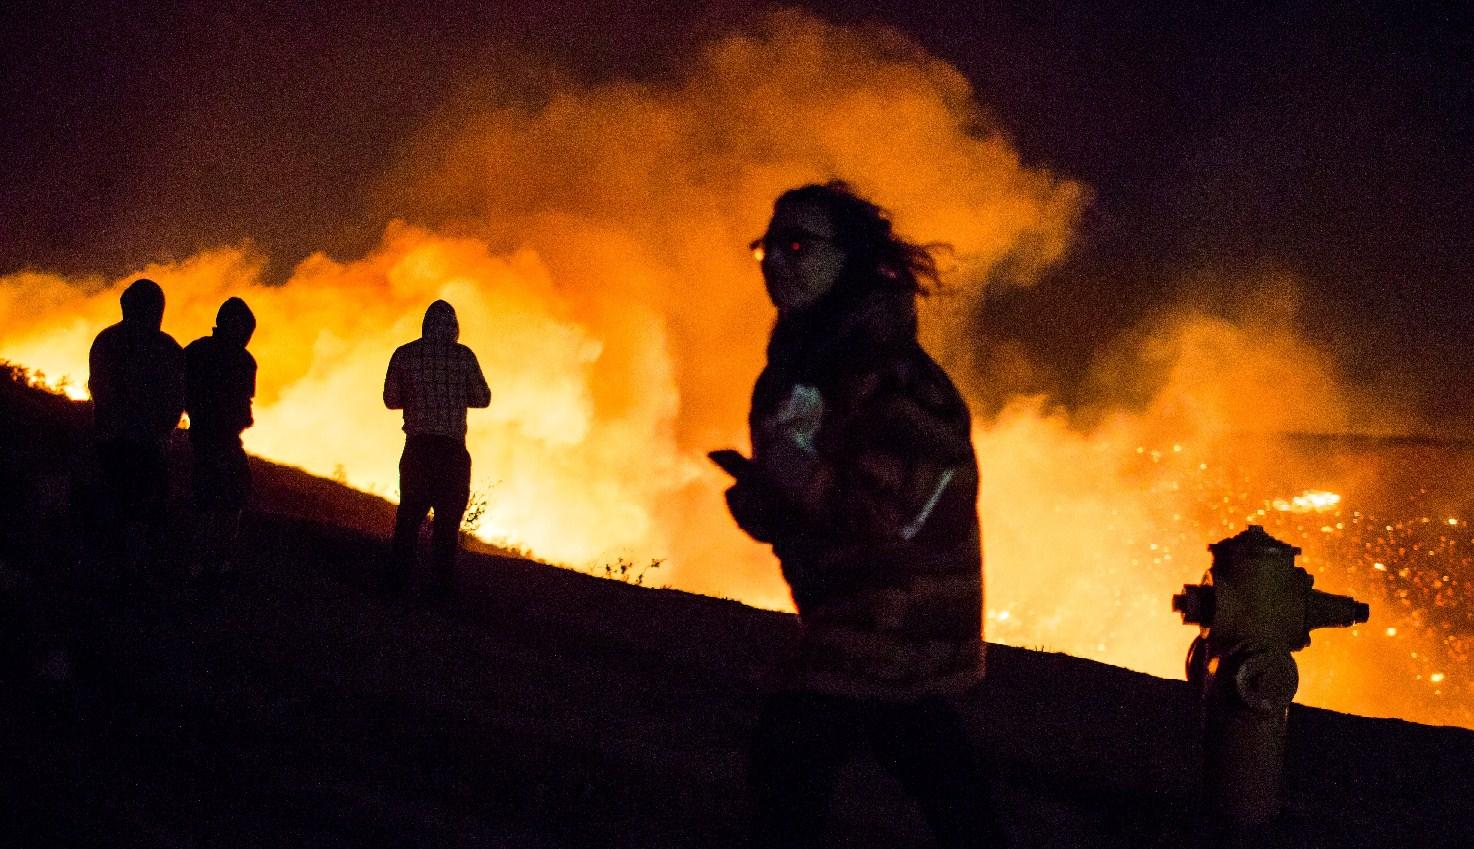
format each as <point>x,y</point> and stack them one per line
<point>1329,141</point>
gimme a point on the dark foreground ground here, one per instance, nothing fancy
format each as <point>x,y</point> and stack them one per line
<point>546,708</point>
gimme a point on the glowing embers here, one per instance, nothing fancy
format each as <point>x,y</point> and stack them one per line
<point>1311,501</point>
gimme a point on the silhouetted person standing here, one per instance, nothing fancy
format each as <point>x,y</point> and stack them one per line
<point>434,379</point>
<point>220,381</point>
<point>137,386</point>
<point>864,481</point>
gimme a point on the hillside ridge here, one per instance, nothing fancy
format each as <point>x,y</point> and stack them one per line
<point>546,707</point>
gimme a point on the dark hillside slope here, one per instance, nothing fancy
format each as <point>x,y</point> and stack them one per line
<point>547,708</point>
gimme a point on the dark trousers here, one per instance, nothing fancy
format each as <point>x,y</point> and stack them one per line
<point>802,740</point>
<point>434,474</point>
<point>222,475</point>
<point>222,485</point>
<point>133,502</point>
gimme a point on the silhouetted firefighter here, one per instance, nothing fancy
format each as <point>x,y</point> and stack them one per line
<point>434,379</point>
<point>137,386</point>
<point>220,381</point>
<point>863,479</point>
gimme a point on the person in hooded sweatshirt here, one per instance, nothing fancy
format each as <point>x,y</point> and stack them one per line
<point>137,383</point>
<point>434,380</point>
<point>220,381</point>
<point>864,481</point>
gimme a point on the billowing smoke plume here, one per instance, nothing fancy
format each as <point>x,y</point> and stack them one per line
<point>594,244</point>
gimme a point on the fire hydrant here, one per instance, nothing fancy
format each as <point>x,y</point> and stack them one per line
<point>1255,607</point>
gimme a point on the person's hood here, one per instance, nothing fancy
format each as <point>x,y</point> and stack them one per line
<point>440,323</point>
<point>143,304</point>
<point>235,322</point>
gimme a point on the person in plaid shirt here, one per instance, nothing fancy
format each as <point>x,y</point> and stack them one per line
<point>434,380</point>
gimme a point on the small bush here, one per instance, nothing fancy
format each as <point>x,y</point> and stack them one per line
<point>626,571</point>
<point>475,510</point>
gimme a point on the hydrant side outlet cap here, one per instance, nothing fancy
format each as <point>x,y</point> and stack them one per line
<point>1195,603</point>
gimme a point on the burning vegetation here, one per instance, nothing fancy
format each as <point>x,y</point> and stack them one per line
<point>592,241</point>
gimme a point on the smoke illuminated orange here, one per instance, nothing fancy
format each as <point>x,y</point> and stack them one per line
<point>594,247</point>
